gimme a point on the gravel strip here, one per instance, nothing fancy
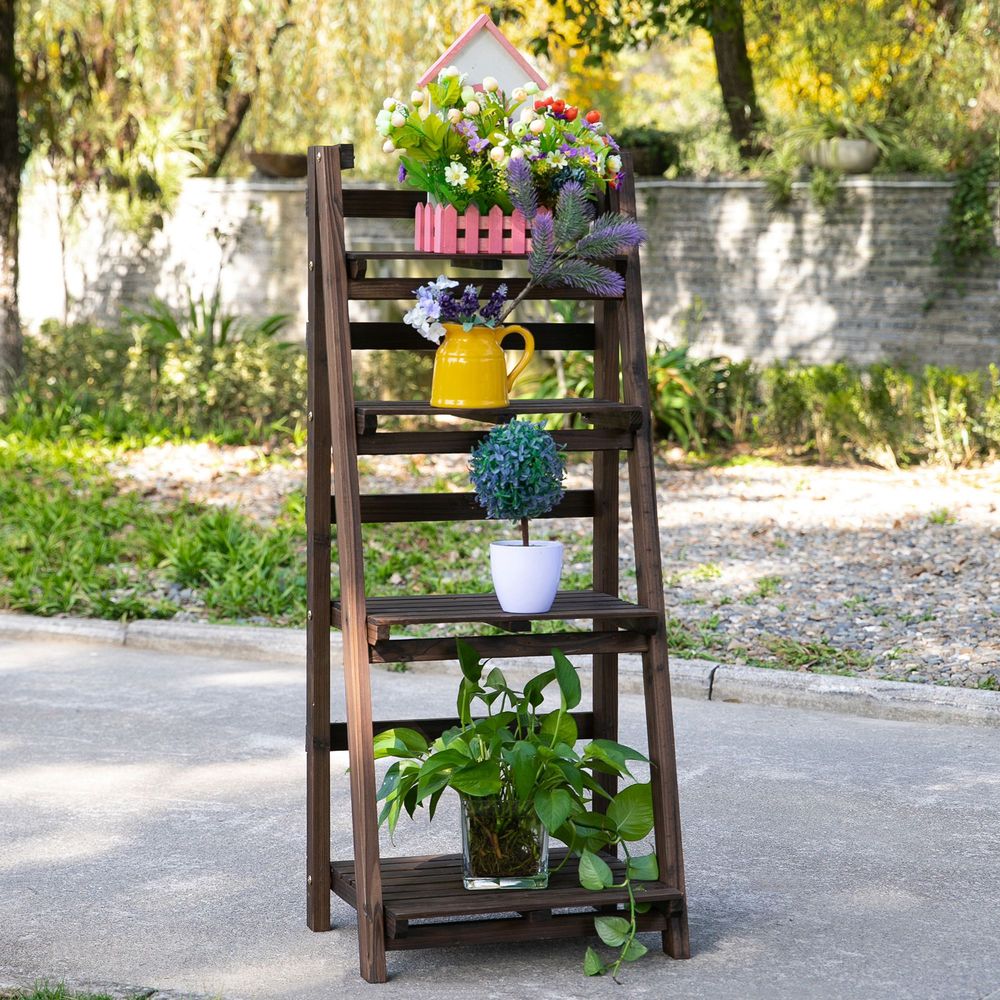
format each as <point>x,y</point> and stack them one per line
<point>831,570</point>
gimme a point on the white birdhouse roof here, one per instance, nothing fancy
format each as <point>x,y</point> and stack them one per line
<point>483,50</point>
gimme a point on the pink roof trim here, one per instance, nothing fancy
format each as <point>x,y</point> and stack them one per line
<point>483,21</point>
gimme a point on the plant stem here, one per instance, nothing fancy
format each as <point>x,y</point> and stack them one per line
<point>524,531</point>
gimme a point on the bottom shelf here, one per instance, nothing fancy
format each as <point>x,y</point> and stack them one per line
<point>430,889</point>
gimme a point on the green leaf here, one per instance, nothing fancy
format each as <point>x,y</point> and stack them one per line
<point>389,782</point>
<point>478,779</point>
<point>533,689</point>
<point>399,743</point>
<point>468,658</point>
<point>524,765</point>
<point>644,868</point>
<point>495,679</point>
<point>594,872</point>
<point>633,950</point>
<point>553,807</point>
<point>560,725</point>
<point>612,931</point>
<point>568,679</point>
<point>616,751</point>
<point>643,907</point>
<point>631,810</point>
<point>592,964</point>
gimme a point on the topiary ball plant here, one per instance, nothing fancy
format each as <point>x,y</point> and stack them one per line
<point>517,471</point>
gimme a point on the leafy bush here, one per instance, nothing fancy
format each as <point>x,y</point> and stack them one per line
<point>200,373</point>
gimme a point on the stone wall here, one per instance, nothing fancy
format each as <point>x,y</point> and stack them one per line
<point>723,269</point>
<point>856,281</point>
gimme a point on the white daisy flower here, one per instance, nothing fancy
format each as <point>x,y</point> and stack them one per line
<point>456,174</point>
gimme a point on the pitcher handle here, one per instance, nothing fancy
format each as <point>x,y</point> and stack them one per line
<point>529,350</point>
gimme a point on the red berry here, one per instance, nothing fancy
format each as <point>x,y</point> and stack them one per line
<point>558,107</point>
<point>571,113</point>
<point>593,117</point>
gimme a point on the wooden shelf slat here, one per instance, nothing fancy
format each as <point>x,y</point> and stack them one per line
<point>385,289</point>
<point>431,729</point>
<point>461,442</point>
<point>602,412</point>
<point>430,888</point>
<point>535,644</point>
<point>401,508</point>
<point>383,613</point>
<point>370,335</point>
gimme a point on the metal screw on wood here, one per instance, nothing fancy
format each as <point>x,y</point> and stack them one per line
<point>310,265</point>
<point>309,616</point>
<point>319,156</point>
<point>309,416</point>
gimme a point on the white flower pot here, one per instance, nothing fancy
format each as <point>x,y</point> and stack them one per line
<point>526,577</point>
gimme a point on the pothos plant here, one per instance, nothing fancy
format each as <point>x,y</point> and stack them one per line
<point>517,764</point>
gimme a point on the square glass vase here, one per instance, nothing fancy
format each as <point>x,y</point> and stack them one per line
<point>504,844</point>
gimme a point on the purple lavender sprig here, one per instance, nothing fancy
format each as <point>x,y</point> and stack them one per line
<point>522,189</point>
<point>492,309</point>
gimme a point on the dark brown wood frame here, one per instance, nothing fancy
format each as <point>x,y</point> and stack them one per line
<point>388,894</point>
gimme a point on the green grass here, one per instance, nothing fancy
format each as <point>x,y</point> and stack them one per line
<point>79,546</point>
<point>51,993</point>
<point>941,516</point>
<point>816,657</point>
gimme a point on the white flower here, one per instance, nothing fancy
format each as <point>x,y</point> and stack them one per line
<point>434,332</point>
<point>556,160</point>
<point>468,94</point>
<point>528,114</point>
<point>518,95</point>
<point>448,71</point>
<point>415,317</point>
<point>456,174</point>
<point>383,121</point>
<point>454,115</point>
<point>519,129</point>
<point>537,126</point>
<point>472,108</point>
<point>389,103</point>
<point>531,88</point>
<point>614,163</point>
<point>417,98</point>
<point>516,152</point>
<point>490,84</point>
<point>443,283</point>
<point>497,154</point>
<point>398,119</point>
<point>388,146</point>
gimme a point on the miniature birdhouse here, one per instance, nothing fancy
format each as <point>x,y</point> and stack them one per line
<point>482,50</point>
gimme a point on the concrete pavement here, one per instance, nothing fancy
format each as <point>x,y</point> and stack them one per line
<point>151,831</point>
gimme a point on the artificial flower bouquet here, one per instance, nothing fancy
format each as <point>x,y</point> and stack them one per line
<point>457,141</point>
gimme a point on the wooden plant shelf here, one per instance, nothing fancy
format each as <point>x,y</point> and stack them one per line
<point>430,888</point>
<point>386,613</point>
<point>420,902</point>
<point>603,412</point>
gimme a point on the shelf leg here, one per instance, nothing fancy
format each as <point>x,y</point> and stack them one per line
<point>318,490</point>
<point>330,289</point>
<point>606,541</point>
<point>649,586</point>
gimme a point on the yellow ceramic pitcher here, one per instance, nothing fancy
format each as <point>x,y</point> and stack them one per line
<point>470,370</point>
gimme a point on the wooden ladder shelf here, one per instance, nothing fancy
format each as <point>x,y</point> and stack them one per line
<point>418,902</point>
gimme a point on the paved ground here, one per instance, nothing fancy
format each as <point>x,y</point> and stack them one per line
<point>151,831</point>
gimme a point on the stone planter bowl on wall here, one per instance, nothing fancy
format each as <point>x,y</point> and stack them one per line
<point>284,165</point>
<point>849,156</point>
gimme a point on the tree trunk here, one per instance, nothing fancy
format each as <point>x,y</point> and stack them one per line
<point>10,188</point>
<point>732,62</point>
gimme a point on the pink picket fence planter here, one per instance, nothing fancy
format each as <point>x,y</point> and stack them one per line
<point>440,229</point>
